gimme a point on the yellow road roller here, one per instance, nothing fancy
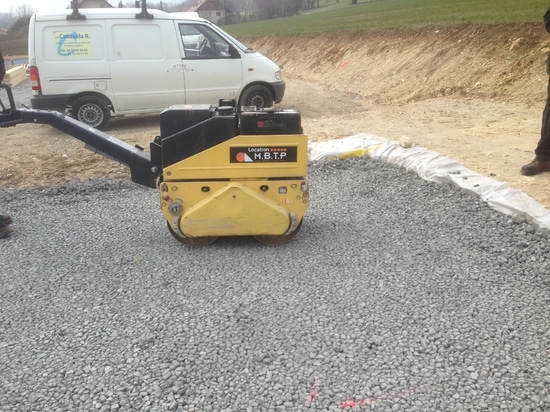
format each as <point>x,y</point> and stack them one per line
<point>219,171</point>
<point>225,174</point>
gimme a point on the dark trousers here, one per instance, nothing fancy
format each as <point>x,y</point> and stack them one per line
<point>542,152</point>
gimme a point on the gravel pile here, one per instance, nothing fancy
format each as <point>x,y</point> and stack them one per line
<point>398,294</point>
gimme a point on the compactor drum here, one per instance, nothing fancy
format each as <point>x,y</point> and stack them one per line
<point>225,174</point>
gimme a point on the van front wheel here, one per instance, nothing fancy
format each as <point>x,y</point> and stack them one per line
<point>257,96</point>
<point>91,111</point>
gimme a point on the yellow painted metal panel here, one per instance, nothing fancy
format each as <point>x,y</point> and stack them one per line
<point>234,210</point>
<point>217,162</point>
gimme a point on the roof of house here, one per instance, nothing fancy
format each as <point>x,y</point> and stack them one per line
<point>206,5</point>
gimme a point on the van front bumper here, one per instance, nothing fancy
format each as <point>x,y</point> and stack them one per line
<point>278,91</point>
<point>57,102</point>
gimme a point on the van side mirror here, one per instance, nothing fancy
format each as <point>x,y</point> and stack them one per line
<point>233,52</point>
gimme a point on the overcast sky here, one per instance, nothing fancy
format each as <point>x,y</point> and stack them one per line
<point>6,5</point>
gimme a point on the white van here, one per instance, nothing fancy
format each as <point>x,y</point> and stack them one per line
<point>94,62</point>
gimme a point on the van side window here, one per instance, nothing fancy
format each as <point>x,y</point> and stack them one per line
<point>200,42</point>
<point>132,44</point>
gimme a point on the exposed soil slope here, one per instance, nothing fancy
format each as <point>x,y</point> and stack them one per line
<point>402,66</point>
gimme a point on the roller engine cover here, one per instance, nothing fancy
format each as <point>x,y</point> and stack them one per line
<point>225,173</point>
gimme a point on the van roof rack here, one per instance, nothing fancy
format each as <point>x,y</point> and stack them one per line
<point>144,14</point>
<point>75,15</point>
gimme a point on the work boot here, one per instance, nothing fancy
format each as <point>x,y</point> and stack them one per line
<point>6,220</point>
<point>535,167</point>
<point>5,231</point>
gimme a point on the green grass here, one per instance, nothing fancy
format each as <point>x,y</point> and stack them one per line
<point>370,14</point>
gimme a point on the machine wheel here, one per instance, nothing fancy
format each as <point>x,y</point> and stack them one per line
<point>92,111</point>
<point>258,96</point>
<point>192,241</point>
<point>278,239</point>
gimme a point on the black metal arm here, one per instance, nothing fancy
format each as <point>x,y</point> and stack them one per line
<point>97,141</point>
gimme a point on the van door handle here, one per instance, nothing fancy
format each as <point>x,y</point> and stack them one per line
<point>178,68</point>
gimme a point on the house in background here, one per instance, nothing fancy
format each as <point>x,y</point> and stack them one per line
<point>212,10</point>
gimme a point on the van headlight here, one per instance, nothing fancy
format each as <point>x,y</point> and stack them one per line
<point>278,75</point>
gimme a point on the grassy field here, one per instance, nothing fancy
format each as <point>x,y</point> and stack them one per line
<point>369,14</point>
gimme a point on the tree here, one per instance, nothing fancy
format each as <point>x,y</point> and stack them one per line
<point>20,28</point>
<point>270,9</point>
<point>23,10</point>
<point>310,4</point>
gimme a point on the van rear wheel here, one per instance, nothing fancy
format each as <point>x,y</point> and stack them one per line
<point>91,111</point>
<point>257,96</point>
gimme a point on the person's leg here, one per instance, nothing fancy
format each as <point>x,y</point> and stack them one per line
<point>6,220</point>
<point>541,163</point>
<point>542,152</point>
<point>5,229</point>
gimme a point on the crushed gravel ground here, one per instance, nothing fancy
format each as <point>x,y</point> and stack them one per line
<point>398,294</point>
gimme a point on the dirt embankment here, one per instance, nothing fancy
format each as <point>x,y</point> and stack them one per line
<point>401,66</point>
<point>473,92</point>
